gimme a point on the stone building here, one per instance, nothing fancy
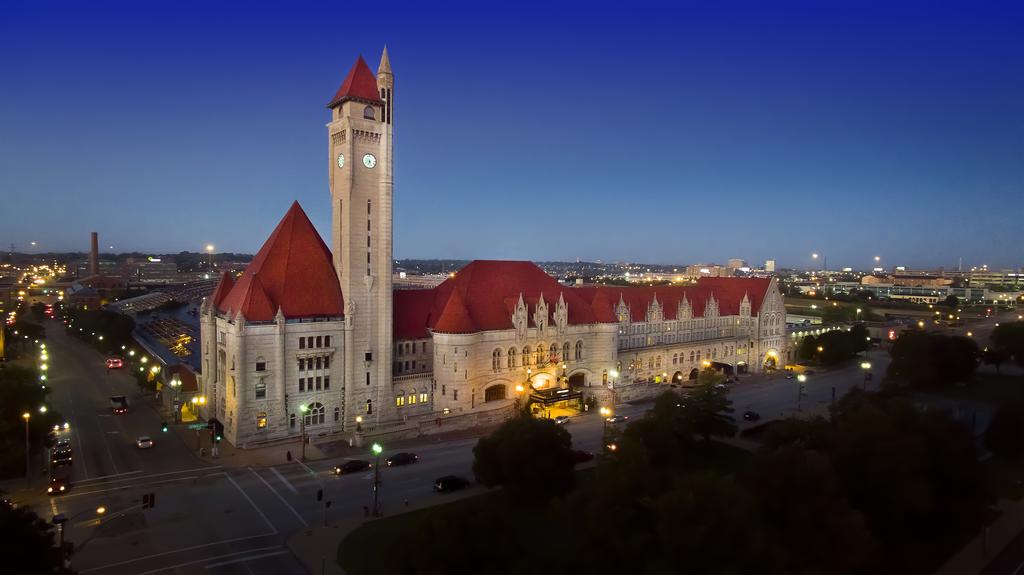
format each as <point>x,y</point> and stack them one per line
<point>315,340</point>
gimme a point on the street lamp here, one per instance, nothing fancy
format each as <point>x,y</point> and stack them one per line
<point>377,450</point>
<point>28,477</point>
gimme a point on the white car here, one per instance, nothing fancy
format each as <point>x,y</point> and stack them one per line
<point>144,442</point>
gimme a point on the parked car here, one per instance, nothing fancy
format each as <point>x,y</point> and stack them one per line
<point>144,442</point>
<point>751,416</point>
<point>618,419</point>
<point>115,363</point>
<point>580,456</point>
<point>60,480</point>
<point>562,419</point>
<point>450,483</point>
<point>401,459</point>
<point>351,466</point>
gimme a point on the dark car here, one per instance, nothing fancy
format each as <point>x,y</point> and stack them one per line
<point>60,456</point>
<point>751,415</point>
<point>580,456</point>
<point>402,459</point>
<point>352,466</point>
<point>60,480</point>
<point>450,483</point>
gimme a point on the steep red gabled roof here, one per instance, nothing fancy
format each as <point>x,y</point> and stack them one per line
<point>359,84</point>
<point>455,317</point>
<point>292,271</point>
<point>227,281</point>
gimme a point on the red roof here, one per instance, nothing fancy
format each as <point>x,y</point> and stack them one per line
<point>455,317</point>
<point>359,84</point>
<point>227,281</point>
<point>292,272</point>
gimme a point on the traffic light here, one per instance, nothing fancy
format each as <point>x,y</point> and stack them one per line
<point>148,500</point>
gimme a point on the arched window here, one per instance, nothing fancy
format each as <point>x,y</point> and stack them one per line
<point>511,357</point>
<point>526,356</point>
<point>496,360</point>
<point>314,415</point>
<point>579,350</point>
<point>565,351</point>
<point>368,113</point>
<point>553,353</point>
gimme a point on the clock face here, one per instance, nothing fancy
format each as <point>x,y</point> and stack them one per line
<point>341,160</point>
<point>369,160</point>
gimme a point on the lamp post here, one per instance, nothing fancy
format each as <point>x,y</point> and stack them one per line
<point>28,476</point>
<point>866,366</point>
<point>377,450</point>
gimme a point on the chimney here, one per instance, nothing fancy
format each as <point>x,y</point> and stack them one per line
<point>94,255</point>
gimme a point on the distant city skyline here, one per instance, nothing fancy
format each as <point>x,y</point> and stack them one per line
<point>706,133</point>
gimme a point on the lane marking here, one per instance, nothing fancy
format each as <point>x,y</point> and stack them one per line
<point>243,559</point>
<point>159,569</point>
<point>183,549</point>
<point>287,483</point>
<point>274,491</point>
<point>251,502</point>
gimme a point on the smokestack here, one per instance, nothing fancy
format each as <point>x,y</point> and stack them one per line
<point>94,255</point>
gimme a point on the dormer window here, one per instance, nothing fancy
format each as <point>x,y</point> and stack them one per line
<point>368,113</point>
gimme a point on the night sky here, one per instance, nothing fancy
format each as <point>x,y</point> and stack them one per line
<point>662,132</point>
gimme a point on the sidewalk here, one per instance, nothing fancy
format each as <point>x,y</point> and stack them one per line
<point>974,556</point>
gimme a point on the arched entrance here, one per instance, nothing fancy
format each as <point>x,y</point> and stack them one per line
<point>693,374</point>
<point>494,393</point>
<point>577,380</point>
<point>677,377</point>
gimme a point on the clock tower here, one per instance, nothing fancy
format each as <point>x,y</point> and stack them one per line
<point>361,177</point>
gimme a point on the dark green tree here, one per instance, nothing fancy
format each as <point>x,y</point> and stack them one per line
<point>531,458</point>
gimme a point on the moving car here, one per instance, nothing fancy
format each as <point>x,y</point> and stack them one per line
<point>60,480</point>
<point>115,363</point>
<point>618,419</point>
<point>402,459</point>
<point>562,419</point>
<point>119,404</point>
<point>144,442</point>
<point>450,483</point>
<point>351,466</point>
<point>751,415</point>
<point>580,456</point>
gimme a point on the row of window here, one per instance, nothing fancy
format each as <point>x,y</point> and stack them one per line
<point>311,342</point>
<point>403,399</point>
<point>536,356</point>
<point>311,363</point>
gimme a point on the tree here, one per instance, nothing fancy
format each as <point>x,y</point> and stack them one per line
<point>1009,338</point>
<point>531,458</point>
<point>1005,433</point>
<point>28,544</point>
<point>708,411</point>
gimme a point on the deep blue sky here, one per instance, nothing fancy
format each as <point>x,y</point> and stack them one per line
<point>665,132</point>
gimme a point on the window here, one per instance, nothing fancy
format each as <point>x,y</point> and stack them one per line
<point>399,400</point>
<point>327,382</point>
<point>314,415</point>
<point>369,403</point>
<point>368,113</point>
<point>261,388</point>
<point>261,420</point>
<point>423,395</point>
<point>261,365</point>
<point>496,360</point>
<point>511,362</point>
<point>579,350</point>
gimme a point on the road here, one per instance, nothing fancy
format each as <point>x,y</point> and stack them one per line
<point>223,520</point>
